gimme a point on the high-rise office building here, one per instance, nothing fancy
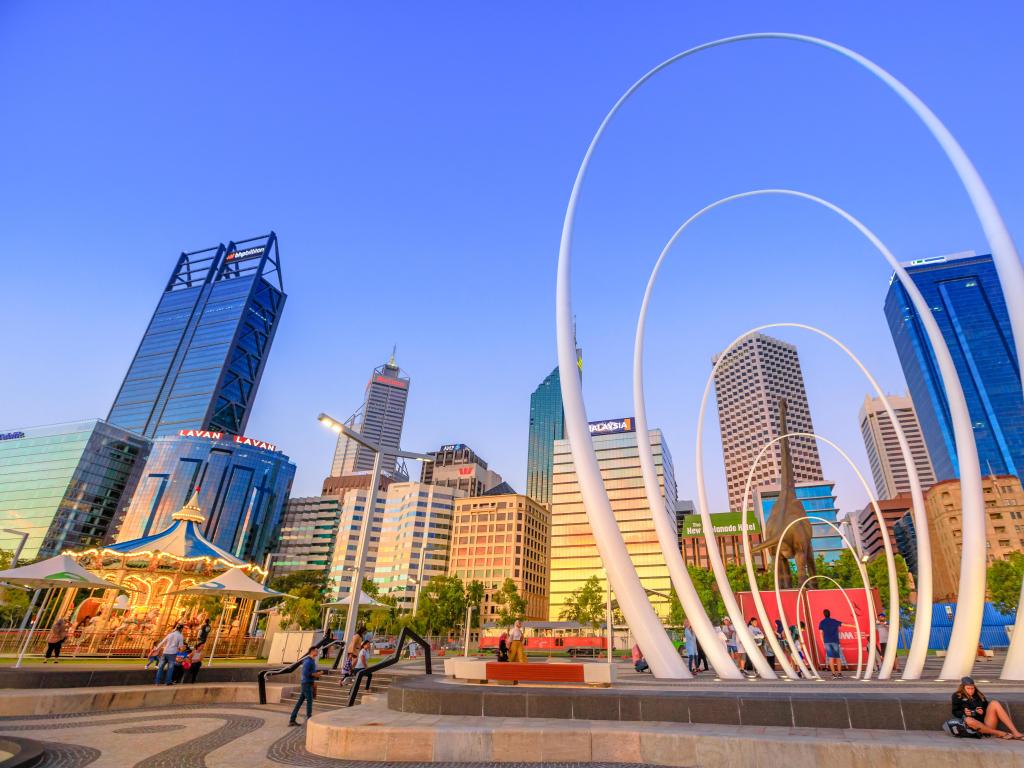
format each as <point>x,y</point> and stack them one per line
<point>1004,528</point>
<point>309,527</point>
<point>243,486</point>
<point>503,536</point>
<point>749,384</point>
<point>65,484</point>
<point>415,534</point>
<point>379,421</point>
<point>967,302</point>
<point>869,532</point>
<point>344,555</point>
<point>818,500</point>
<point>888,468</point>
<point>574,556</point>
<point>905,534</point>
<point>200,361</point>
<point>547,424</point>
<point>456,466</point>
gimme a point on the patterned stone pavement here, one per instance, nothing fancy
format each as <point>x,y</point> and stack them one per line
<point>224,736</point>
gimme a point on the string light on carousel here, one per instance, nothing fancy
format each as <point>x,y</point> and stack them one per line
<point>157,569</point>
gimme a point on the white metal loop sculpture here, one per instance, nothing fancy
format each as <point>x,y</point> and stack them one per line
<point>919,650</point>
<point>639,614</point>
<point>849,603</point>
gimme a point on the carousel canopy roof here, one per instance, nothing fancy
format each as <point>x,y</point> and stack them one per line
<point>59,571</point>
<point>181,539</point>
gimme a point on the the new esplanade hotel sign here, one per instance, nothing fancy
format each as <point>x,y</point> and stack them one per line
<point>240,439</point>
<point>611,426</point>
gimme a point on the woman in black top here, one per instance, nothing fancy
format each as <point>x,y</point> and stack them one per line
<point>980,714</point>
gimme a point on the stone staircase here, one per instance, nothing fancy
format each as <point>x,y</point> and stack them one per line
<point>330,694</point>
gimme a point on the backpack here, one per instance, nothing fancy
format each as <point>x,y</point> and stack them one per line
<point>958,728</point>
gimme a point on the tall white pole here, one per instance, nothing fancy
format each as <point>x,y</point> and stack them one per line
<point>609,621</point>
<point>364,548</point>
<point>469,619</point>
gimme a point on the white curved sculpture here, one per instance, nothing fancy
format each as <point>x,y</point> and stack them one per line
<point>919,648</point>
<point>849,603</point>
<point>641,617</point>
<point>863,574</point>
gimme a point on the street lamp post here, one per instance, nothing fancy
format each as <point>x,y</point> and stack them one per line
<point>469,621</point>
<point>418,578</point>
<point>371,505</point>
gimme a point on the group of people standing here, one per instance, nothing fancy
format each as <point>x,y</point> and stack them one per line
<point>174,656</point>
<point>511,644</point>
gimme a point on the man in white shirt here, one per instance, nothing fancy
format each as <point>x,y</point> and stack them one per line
<point>169,648</point>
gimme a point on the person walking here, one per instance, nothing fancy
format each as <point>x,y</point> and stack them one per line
<point>516,653</point>
<point>754,627</point>
<point>731,644</point>
<point>503,647</point>
<point>54,641</point>
<point>639,662</point>
<point>363,661</point>
<point>973,709</point>
<point>169,647</point>
<point>829,629</point>
<point>154,655</point>
<point>702,658</point>
<point>690,643</point>
<point>882,631</point>
<point>195,660</point>
<point>204,632</point>
<point>352,654</point>
<point>310,674</point>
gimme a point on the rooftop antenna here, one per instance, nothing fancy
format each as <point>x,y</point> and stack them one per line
<point>394,349</point>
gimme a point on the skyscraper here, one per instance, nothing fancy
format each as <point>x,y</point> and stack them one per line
<point>379,420</point>
<point>547,424</point>
<point>574,556</point>
<point>967,303</point>
<point>200,361</point>
<point>818,500</point>
<point>758,373</point>
<point>888,468</point>
<point>457,466</point>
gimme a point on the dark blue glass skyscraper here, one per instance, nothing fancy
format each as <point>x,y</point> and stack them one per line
<point>547,424</point>
<point>967,303</point>
<point>202,356</point>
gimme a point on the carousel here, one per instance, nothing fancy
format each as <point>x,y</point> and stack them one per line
<point>162,575</point>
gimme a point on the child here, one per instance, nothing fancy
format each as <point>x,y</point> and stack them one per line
<point>154,654</point>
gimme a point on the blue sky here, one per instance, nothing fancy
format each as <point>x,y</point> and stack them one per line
<point>415,160</point>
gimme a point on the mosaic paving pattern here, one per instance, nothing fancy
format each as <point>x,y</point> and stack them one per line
<point>151,729</point>
<point>67,756</point>
<point>192,754</point>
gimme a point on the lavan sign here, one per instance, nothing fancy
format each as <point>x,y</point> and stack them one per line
<point>612,426</point>
<point>241,440</point>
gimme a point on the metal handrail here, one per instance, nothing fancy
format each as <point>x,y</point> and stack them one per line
<point>261,679</point>
<point>390,660</point>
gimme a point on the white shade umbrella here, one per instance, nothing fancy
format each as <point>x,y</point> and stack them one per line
<point>59,571</point>
<point>233,583</point>
<point>365,601</point>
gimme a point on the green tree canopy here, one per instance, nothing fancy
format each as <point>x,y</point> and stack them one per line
<point>442,605</point>
<point>586,605</point>
<point>511,605</point>
<point>1004,581</point>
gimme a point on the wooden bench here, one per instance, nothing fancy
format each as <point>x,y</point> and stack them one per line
<point>534,673</point>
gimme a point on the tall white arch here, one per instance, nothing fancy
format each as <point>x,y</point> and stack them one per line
<point>919,647</point>
<point>849,604</point>
<point>641,617</point>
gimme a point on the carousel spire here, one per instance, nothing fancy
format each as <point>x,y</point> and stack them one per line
<point>191,511</point>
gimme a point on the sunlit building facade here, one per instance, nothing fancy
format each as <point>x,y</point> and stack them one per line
<point>574,555</point>
<point>888,468</point>
<point>415,535</point>
<point>457,466</point>
<point>65,484</point>
<point>345,552</point>
<point>201,358</point>
<point>498,537</point>
<point>818,500</point>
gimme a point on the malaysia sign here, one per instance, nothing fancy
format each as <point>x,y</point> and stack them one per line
<point>240,439</point>
<point>612,426</point>
<point>722,523</point>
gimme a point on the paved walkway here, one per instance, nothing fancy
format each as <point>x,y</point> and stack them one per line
<point>228,736</point>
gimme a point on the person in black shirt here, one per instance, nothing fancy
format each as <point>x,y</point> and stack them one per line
<point>980,714</point>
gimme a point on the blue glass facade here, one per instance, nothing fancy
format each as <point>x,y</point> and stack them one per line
<point>547,424</point>
<point>818,500</point>
<point>968,305</point>
<point>200,361</point>
<point>65,484</point>
<point>242,492</point>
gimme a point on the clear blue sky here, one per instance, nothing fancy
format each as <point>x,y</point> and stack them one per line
<point>415,160</point>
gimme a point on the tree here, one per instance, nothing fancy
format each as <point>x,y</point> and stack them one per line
<point>442,604</point>
<point>878,576</point>
<point>586,605</point>
<point>1004,581</point>
<point>13,602</point>
<point>308,584</point>
<point>511,605</point>
<point>302,612</point>
<point>474,597</point>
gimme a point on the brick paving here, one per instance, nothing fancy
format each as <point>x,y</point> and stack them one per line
<point>67,756</point>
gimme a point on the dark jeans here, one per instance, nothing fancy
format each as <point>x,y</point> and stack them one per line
<point>166,662</point>
<point>54,648</point>
<point>194,670</point>
<point>305,696</point>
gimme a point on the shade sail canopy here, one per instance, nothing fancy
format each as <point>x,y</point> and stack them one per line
<point>59,571</point>
<point>233,583</point>
<point>182,539</point>
<point>365,601</point>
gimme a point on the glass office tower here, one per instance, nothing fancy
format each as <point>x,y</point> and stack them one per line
<point>243,485</point>
<point>64,484</point>
<point>202,356</point>
<point>547,424</point>
<point>818,500</point>
<point>967,303</point>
